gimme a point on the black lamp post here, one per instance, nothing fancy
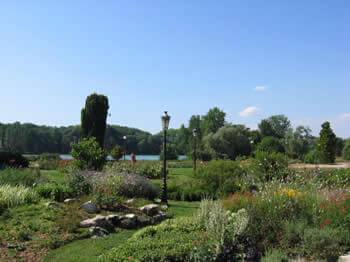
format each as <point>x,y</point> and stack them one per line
<point>194,132</point>
<point>165,125</point>
<point>124,138</point>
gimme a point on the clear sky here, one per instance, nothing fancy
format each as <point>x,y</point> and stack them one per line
<point>252,59</point>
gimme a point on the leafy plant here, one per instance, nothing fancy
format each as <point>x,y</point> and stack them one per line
<point>11,196</point>
<point>220,177</point>
<point>267,165</point>
<point>88,154</point>
<point>78,183</point>
<point>55,192</point>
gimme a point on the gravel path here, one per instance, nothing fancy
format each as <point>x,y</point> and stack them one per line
<point>337,165</point>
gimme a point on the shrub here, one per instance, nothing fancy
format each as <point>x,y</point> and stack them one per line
<point>88,154</point>
<point>55,192</point>
<point>270,144</point>
<point>147,169</point>
<point>267,165</point>
<point>133,185</point>
<point>186,191</point>
<point>220,177</point>
<point>49,156</point>
<point>78,183</point>
<point>15,177</point>
<point>169,241</point>
<point>108,194</point>
<point>9,159</point>
<point>315,157</point>
<point>11,196</point>
<point>222,226</point>
<point>47,164</point>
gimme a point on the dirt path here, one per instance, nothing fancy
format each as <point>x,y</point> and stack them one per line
<point>337,165</point>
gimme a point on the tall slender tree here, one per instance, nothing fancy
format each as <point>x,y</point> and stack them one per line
<point>93,117</point>
<point>327,144</point>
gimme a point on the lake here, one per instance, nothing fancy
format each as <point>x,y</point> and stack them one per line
<point>127,157</point>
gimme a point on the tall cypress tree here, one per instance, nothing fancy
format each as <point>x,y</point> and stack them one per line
<point>93,117</point>
<point>327,144</point>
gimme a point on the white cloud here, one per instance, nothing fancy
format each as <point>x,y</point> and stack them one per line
<point>344,116</point>
<point>259,88</point>
<point>249,111</point>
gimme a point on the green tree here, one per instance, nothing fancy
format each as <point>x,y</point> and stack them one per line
<point>327,143</point>
<point>213,120</point>
<point>230,141</point>
<point>88,154</point>
<point>93,117</point>
<point>346,150</point>
<point>270,144</point>
<point>340,143</point>
<point>276,126</point>
<point>299,141</point>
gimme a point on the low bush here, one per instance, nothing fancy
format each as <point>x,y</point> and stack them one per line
<point>49,156</point>
<point>275,255</point>
<point>220,177</point>
<point>185,192</point>
<point>55,192</point>
<point>14,177</point>
<point>315,157</point>
<point>108,194</point>
<point>88,154</point>
<point>296,221</point>
<point>266,166</point>
<point>148,169</point>
<point>78,182</point>
<point>169,241</point>
<point>47,164</point>
<point>132,185</point>
<point>16,160</point>
<point>11,196</point>
<point>180,164</point>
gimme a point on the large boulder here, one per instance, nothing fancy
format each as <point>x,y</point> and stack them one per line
<point>149,210</point>
<point>98,221</point>
<point>97,232</point>
<point>128,221</point>
<point>113,219</point>
<point>89,207</point>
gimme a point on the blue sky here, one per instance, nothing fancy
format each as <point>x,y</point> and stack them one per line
<point>252,59</point>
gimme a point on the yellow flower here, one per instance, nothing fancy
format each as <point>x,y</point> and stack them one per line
<point>292,192</point>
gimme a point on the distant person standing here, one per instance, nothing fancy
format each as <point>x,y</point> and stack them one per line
<point>133,159</point>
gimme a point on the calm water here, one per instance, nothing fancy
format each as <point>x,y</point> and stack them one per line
<point>127,157</point>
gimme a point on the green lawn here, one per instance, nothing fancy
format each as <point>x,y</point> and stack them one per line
<point>89,249</point>
<point>53,175</point>
<point>176,176</point>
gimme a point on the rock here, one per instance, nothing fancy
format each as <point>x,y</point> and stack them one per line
<point>89,207</point>
<point>128,221</point>
<point>164,207</point>
<point>157,201</point>
<point>96,232</point>
<point>129,201</point>
<point>70,200</point>
<point>52,204</point>
<point>98,221</point>
<point>345,258</point>
<point>150,210</point>
<point>144,221</point>
<point>113,219</point>
<point>159,217</point>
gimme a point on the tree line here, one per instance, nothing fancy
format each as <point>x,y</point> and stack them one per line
<point>216,138</point>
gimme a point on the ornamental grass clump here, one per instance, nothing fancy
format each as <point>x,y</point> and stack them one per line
<point>11,196</point>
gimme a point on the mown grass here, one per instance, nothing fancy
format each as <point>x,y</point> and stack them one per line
<point>53,175</point>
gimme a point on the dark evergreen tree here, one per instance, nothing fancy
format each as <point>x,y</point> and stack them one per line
<point>327,144</point>
<point>93,117</point>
